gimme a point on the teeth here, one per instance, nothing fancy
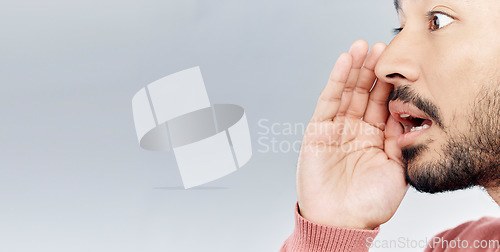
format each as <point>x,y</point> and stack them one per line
<point>404,115</point>
<point>425,126</point>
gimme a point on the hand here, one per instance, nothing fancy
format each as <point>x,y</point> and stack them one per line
<point>349,172</point>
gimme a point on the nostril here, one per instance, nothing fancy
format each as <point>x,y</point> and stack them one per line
<point>393,75</point>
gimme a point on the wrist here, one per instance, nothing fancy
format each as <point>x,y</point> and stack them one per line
<point>335,220</point>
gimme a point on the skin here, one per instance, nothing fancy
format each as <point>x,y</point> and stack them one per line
<point>350,170</point>
<point>495,194</point>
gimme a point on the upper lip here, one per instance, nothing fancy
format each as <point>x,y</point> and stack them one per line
<point>398,108</point>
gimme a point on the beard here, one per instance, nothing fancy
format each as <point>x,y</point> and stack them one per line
<point>468,158</point>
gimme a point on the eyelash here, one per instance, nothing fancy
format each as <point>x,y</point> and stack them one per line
<point>430,15</point>
<point>396,31</point>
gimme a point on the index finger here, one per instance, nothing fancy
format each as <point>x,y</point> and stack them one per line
<point>329,100</point>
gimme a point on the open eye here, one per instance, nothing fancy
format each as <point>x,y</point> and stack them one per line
<point>438,20</point>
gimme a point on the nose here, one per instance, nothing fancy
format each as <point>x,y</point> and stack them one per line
<point>399,64</point>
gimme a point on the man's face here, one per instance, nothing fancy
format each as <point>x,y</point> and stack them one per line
<point>444,65</point>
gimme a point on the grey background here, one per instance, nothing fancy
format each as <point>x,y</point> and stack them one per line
<point>72,175</point>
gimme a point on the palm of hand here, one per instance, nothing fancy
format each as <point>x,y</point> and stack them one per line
<point>349,170</point>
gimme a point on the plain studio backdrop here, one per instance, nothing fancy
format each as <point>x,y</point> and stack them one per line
<point>72,175</point>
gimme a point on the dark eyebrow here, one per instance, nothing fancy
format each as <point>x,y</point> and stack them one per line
<point>397,5</point>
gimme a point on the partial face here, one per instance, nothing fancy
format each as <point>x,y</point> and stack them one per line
<point>444,65</point>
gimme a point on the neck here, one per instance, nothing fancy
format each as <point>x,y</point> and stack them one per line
<point>495,194</point>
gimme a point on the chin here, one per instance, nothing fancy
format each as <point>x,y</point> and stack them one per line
<point>454,167</point>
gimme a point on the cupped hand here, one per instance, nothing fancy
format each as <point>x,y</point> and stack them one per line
<point>349,172</point>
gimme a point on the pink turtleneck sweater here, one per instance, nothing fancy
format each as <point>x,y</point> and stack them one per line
<point>479,235</point>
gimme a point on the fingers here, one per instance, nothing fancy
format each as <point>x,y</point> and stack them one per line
<point>366,78</point>
<point>330,98</point>
<point>377,111</point>
<point>392,132</point>
<point>358,51</point>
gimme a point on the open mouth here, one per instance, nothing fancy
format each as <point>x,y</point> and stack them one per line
<point>415,122</point>
<point>412,123</point>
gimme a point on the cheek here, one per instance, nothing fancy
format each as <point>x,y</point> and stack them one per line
<point>456,75</point>
<point>448,85</point>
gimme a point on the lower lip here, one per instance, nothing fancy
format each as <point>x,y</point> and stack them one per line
<point>409,138</point>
